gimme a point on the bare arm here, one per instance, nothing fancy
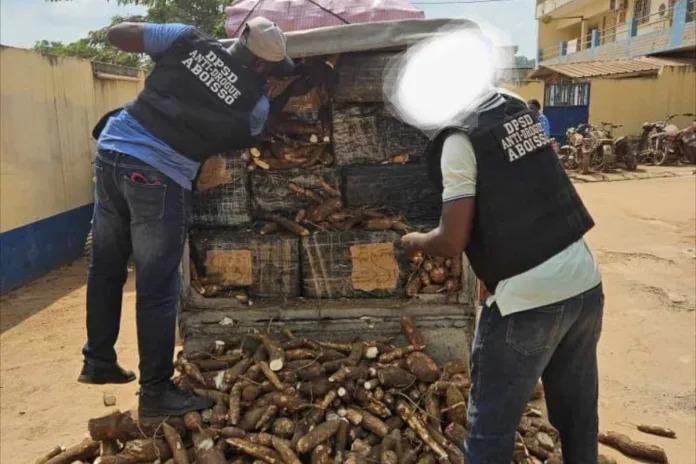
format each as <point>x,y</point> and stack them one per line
<point>127,36</point>
<point>451,237</point>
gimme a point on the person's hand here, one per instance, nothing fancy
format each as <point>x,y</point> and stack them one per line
<point>411,244</point>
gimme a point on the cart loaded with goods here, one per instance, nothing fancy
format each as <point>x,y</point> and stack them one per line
<point>302,318</point>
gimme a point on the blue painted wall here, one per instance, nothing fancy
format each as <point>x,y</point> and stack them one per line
<point>32,250</point>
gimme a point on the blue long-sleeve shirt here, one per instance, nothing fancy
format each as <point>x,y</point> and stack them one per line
<point>124,134</point>
<point>545,123</point>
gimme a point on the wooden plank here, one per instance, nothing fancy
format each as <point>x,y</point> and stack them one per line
<point>214,309</point>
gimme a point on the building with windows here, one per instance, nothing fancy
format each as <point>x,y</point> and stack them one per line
<point>597,30</point>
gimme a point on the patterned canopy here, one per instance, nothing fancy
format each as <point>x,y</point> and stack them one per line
<point>297,15</point>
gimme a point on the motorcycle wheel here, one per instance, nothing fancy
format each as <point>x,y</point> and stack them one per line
<point>631,162</point>
<point>597,162</point>
<point>659,157</point>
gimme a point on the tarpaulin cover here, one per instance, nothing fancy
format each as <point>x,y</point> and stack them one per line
<point>379,35</point>
<point>298,15</point>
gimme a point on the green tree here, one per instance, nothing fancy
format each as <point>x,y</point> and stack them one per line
<point>207,15</point>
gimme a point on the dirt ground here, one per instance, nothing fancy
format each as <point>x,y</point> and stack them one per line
<point>645,243</point>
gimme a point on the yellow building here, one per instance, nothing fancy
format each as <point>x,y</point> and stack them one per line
<point>621,61</point>
<point>588,30</point>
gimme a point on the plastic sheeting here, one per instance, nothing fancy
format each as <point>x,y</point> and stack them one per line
<point>363,37</point>
<point>298,15</point>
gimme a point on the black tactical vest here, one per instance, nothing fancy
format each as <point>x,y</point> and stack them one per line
<point>527,210</point>
<point>198,98</point>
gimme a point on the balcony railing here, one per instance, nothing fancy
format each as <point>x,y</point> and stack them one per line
<point>548,6</point>
<point>661,24</point>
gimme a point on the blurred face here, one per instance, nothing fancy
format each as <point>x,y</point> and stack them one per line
<point>261,67</point>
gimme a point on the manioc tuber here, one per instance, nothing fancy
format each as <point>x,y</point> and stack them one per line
<point>268,414</point>
<point>128,426</point>
<point>85,450</point>
<point>53,452</point>
<point>305,192</point>
<point>408,415</point>
<point>269,228</point>
<point>136,451</point>
<point>657,430</point>
<point>422,367</point>
<point>395,377</point>
<point>321,454</point>
<point>438,275</point>
<point>399,353</point>
<point>389,457</point>
<point>175,444</point>
<point>327,207</point>
<point>318,435</point>
<point>283,427</point>
<point>413,286</point>
<point>283,448</point>
<point>633,449</point>
<point>289,225</point>
<point>411,332</point>
<point>378,224</point>
<point>456,366</point>
<point>276,354</point>
<point>260,452</point>
<point>456,405</point>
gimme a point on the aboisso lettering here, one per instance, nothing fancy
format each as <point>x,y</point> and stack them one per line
<point>523,135</point>
<point>215,74</point>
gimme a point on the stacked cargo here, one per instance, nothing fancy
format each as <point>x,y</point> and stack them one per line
<point>318,206</point>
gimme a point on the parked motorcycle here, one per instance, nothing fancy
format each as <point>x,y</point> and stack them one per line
<point>601,148</point>
<point>623,148</point>
<point>687,142</point>
<point>570,154</point>
<point>667,144</point>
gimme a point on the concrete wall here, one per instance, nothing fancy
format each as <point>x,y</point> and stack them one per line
<point>49,106</point>
<point>632,102</point>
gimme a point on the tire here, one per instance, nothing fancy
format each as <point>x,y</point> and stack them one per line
<point>659,157</point>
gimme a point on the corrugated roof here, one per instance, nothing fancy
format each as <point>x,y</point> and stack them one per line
<point>615,68</point>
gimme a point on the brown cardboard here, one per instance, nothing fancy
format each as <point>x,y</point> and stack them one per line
<point>214,173</point>
<point>374,266</point>
<point>233,265</point>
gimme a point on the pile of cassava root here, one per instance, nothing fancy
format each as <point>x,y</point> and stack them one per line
<point>434,275</point>
<point>329,214</point>
<point>300,400</point>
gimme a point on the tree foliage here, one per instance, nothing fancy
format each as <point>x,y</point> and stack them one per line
<point>524,62</point>
<point>206,15</point>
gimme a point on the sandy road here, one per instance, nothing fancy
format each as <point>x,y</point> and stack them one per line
<point>645,242</point>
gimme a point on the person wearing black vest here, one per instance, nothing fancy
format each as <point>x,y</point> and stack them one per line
<point>200,99</point>
<point>509,205</point>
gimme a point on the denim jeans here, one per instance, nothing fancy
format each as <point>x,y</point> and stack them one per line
<point>558,343</point>
<point>138,211</point>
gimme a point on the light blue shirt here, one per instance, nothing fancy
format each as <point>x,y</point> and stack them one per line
<point>124,134</point>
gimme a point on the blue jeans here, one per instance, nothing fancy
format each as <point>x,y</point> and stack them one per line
<point>557,343</point>
<point>138,211</point>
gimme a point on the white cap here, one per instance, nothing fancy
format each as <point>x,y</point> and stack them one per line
<point>265,40</point>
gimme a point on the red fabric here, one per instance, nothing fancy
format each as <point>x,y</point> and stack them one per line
<point>297,15</point>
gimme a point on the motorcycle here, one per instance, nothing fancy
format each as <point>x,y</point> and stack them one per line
<point>570,153</point>
<point>687,143</point>
<point>668,144</point>
<point>601,149</point>
<point>623,149</point>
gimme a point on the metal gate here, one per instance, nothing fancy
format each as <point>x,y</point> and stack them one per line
<point>566,105</point>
